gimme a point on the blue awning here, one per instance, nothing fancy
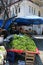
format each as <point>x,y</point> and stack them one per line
<point>7,24</point>
<point>1,23</point>
<point>23,21</point>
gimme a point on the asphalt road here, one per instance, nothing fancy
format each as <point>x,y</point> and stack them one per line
<point>39,58</point>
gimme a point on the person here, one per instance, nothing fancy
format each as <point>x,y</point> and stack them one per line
<point>14,30</point>
<point>21,30</point>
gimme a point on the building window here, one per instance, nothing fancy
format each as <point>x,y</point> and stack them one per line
<point>13,12</point>
<point>39,13</point>
<point>19,10</point>
<point>34,11</point>
<point>29,9</point>
<point>16,10</point>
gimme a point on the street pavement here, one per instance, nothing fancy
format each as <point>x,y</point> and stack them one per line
<point>39,58</point>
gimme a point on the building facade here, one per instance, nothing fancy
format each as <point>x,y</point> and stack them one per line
<point>23,8</point>
<point>26,8</point>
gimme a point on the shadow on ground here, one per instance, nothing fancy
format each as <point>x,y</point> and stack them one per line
<point>39,44</point>
<point>39,58</point>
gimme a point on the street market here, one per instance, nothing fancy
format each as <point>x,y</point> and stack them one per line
<point>17,38</point>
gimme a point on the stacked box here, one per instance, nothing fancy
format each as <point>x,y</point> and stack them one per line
<point>29,58</point>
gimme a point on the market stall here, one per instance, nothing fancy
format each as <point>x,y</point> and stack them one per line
<point>21,45</point>
<point>32,22</point>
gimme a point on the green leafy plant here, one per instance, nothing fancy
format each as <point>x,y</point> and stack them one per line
<point>23,42</point>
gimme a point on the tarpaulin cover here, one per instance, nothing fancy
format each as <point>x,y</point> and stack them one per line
<point>24,21</point>
<point>21,21</point>
<point>7,24</point>
<point>1,23</point>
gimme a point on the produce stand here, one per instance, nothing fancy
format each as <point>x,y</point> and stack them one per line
<point>21,52</point>
<point>28,55</point>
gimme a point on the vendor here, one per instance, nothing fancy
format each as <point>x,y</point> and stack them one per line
<point>3,32</point>
<point>21,30</point>
<point>14,30</point>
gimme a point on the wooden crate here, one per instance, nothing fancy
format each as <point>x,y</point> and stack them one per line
<point>29,58</point>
